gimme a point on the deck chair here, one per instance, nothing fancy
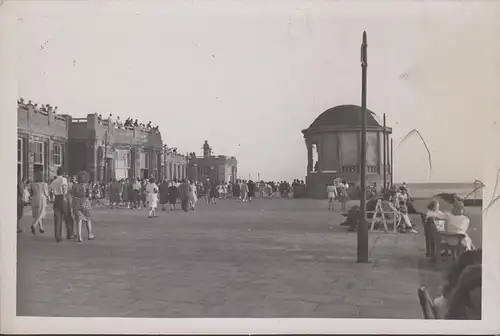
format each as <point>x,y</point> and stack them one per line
<point>452,242</point>
<point>397,218</point>
<point>426,303</point>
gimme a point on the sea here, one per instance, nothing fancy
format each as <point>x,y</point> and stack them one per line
<point>470,190</point>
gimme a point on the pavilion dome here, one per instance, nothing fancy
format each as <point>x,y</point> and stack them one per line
<point>344,115</point>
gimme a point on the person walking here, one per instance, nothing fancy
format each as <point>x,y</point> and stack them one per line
<point>193,198</point>
<point>184,191</point>
<point>114,193</point>
<point>163,189</point>
<point>251,190</point>
<point>151,191</point>
<point>342,194</point>
<point>68,211</point>
<point>40,195</point>
<point>20,202</point>
<point>81,205</point>
<point>173,195</point>
<point>213,193</point>
<point>59,187</point>
<point>207,190</point>
<point>136,194</point>
<point>244,191</point>
<point>331,191</point>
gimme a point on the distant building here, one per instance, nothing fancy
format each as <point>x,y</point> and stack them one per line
<point>333,149</point>
<point>174,164</point>
<point>107,151</point>
<point>218,168</point>
<point>42,137</point>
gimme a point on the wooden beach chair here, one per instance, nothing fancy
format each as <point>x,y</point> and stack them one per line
<point>426,303</point>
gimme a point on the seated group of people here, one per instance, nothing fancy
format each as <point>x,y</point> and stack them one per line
<point>455,222</point>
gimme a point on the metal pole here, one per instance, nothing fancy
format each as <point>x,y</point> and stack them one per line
<point>385,156</point>
<point>164,163</point>
<point>362,225</point>
<point>392,164</point>
<point>106,157</point>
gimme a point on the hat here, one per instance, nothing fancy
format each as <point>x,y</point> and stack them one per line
<point>458,208</point>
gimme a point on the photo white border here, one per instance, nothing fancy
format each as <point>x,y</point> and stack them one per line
<point>9,323</point>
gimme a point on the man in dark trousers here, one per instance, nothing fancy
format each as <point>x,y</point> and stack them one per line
<point>20,202</point>
<point>184,190</point>
<point>60,188</point>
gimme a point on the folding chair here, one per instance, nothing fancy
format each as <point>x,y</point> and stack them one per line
<point>426,303</point>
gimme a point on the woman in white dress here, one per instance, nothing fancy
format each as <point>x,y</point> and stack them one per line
<point>193,197</point>
<point>152,197</point>
<point>458,223</point>
<point>39,199</point>
<point>331,190</point>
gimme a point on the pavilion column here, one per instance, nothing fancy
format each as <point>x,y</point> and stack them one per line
<point>319,150</point>
<point>309,157</point>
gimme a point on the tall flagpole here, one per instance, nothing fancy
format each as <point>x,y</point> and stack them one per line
<point>384,144</point>
<point>362,225</point>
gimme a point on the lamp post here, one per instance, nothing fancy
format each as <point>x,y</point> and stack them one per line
<point>385,155</point>
<point>362,225</point>
<point>106,157</point>
<point>392,164</point>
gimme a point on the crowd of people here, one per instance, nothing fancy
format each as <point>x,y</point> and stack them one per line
<point>395,198</point>
<point>71,204</point>
<point>73,197</point>
<point>129,123</point>
<point>44,108</point>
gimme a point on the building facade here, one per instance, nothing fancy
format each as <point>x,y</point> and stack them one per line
<point>42,140</point>
<point>174,165</point>
<point>106,151</point>
<point>218,168</point>
<point>333,149</point>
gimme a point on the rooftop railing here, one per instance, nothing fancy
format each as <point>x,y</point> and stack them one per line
<point>214,157</point>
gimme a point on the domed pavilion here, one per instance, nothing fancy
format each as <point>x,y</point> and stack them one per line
<point>333,149</point>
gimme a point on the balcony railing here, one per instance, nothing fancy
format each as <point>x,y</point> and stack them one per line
<point>350,169</point>
<point>370,169</point>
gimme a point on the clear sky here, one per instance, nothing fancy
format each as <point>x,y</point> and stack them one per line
<point>248,76</point>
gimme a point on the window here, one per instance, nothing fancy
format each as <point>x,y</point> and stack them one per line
<point>57,155</point>
<point>20,166</point>
<point>123,159</point>
<point>126,159</point>
<point>144,161</point>
<point>350,169</point>
<point>19,150</point>
<point>38,152</point>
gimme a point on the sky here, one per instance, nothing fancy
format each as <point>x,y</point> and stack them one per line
<point>248,76</point>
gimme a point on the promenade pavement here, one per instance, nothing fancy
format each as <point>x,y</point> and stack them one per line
<point>270,258</point>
